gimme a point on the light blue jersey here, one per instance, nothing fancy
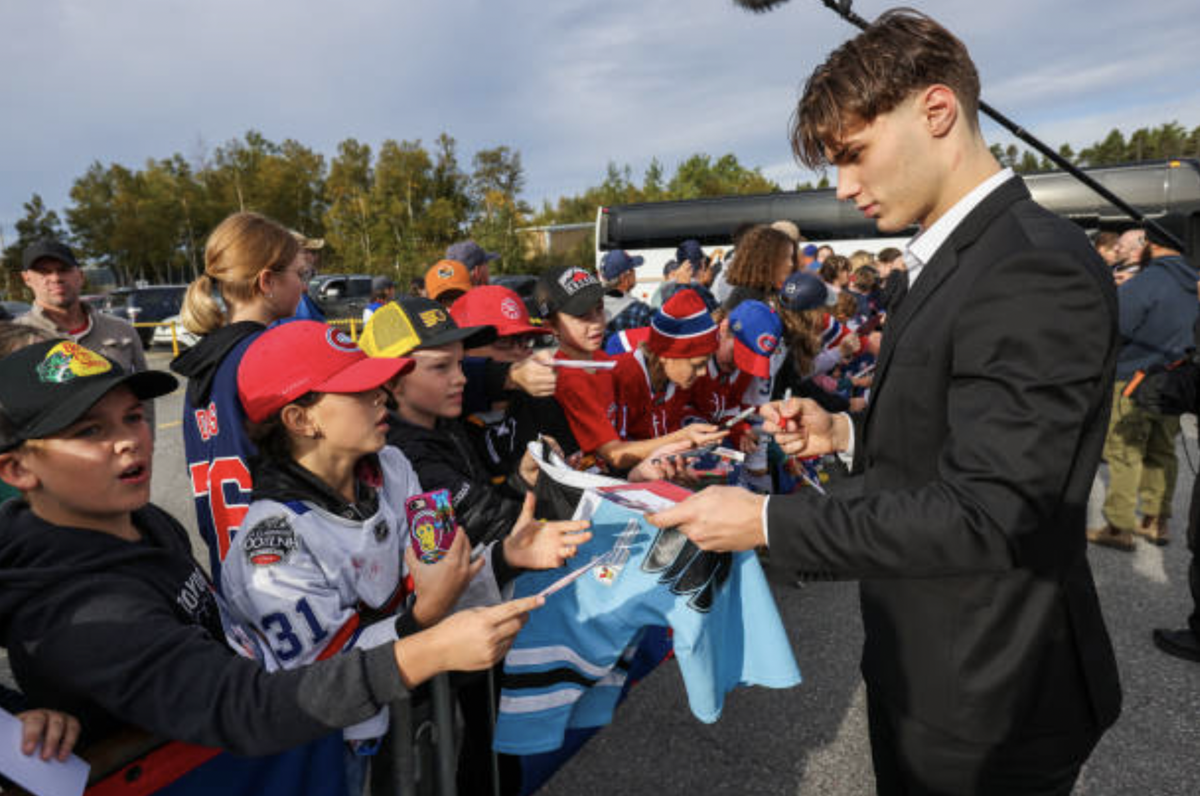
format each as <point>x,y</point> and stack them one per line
<point>564,669</point>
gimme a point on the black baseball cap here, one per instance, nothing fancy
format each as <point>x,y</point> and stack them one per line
<point>568,289</point>
<point>47,386</point>
<point>1172,223</point>
<point>48,250</point>
<point>413,323</point>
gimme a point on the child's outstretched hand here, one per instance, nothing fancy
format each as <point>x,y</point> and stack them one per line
<point>478,638</point>
<point>466,641</point>
<point>55,732</point>
<point>537,544</point>
<point>439,585</point>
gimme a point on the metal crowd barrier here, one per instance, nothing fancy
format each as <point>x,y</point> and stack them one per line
<point>354,325</point>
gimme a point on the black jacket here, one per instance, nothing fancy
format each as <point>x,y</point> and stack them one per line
<point>445,459</point>
<point>977,453</point>
<point>118,632</point>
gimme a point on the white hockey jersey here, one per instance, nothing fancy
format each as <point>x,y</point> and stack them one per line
<point>302,576</point>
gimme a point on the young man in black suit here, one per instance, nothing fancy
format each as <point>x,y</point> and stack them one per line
<point>988,666</point>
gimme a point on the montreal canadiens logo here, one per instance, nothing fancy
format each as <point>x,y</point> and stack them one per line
<point>766,342</point>
<point>510,310</point>
<point>339,340</point>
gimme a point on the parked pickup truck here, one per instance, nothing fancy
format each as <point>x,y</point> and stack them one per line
<point>341,295</point>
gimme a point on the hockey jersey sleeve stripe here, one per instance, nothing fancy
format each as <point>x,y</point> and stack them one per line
<point>539,702</point>
<point>341,639</point>
<point>557,654</point>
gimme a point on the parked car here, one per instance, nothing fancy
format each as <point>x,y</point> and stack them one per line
<point>146,305</point>
<point>11,309</point>
<point>162,334</point>
<point>341,295</point>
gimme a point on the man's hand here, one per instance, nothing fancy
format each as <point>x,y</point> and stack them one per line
<point>534,375</point>
<point>721,519</point>
<point>535,544</point>
<point>802,427</point>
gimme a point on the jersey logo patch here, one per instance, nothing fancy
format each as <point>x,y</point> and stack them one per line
<point>269,542</point>
<point>206,422</point>
<point>67,361</point>
<point>687,568</point>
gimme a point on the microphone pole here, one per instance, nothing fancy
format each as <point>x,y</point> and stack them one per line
<point>843,9</point>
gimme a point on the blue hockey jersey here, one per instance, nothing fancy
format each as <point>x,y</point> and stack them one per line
<point>564,667</point>
<point>216,447</point>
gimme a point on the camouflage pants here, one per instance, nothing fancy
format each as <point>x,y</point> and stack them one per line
<point>1140,451</point>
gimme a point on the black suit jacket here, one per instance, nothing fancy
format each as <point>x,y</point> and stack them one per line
<point>977,453</point>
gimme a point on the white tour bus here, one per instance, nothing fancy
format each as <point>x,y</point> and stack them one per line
<point>654,229</point>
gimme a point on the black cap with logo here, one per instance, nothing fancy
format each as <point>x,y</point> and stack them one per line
<point>413,323</point>
<point>568,289</point>
<point>47,386</point>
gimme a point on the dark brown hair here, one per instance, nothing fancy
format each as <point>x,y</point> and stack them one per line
<point>834,264</point>
<point>802,332</point>
<point>757,257</point>
<point>901,52</point>
<point>271,436</point>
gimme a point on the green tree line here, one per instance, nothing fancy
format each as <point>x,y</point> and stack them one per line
<point>394,209</point>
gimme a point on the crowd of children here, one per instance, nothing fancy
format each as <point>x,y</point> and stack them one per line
<point>303,448</point>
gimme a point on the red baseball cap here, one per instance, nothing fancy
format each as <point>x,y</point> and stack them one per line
<point>299,357</point>
<point>493,305</point>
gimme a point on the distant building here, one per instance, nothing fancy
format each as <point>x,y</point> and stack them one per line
<point>555,239</point>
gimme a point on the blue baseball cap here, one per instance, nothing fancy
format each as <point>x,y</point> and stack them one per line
<point>690,250</point>
<point>802,291</point>
<point>810,250</point>
<point>617,262</point>
<point>470,254</point>
<point>756,331</point>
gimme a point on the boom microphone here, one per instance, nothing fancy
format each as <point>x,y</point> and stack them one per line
<point>843,10</point>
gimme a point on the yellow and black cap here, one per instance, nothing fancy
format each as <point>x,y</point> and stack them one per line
<point>47,386</point>
<point>412,323</point>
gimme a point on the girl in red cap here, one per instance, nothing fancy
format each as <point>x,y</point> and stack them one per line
<point>322,563</point>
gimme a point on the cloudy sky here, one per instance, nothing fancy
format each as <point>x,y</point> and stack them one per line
<point>572,84</point>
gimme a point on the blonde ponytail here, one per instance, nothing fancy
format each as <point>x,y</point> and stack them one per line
<point>201,313</point>
<point>238,250</point>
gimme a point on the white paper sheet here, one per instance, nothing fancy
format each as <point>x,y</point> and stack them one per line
<point>43,777</point>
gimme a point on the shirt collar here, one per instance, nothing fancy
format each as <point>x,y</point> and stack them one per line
<point>925,244</point>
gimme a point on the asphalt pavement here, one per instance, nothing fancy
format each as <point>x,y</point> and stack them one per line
<point>811,739</point>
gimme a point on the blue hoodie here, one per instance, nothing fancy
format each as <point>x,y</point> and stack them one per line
<point>1158,309</point>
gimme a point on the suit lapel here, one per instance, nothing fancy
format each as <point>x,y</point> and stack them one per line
<point>940,266</point>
